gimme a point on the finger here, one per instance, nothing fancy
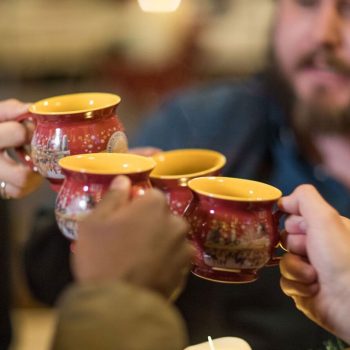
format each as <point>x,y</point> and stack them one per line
<point>154,199</point>
<point>177,271</point>
<point>175,232</point>
<point>183,256</point>
<point>11,109</point>
<point>145,151</point>
<point>296,244</point>
<point>181,225</point>
<point>180,284</point>
<point>295,289</point>
<point>9,191</point>
<point>295,268</point>
<point>319,216</point>
<point>115,198</point>
<point>295,224</point>
<point>305,201</point>
<point>14,173</point>
<point>33,182</point>
<point>12,134</point>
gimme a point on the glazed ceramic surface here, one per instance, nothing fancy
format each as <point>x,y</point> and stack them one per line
<point>88,177</point>
<point>234,227</point>
<point>175,168</point>
<point>73,124</point>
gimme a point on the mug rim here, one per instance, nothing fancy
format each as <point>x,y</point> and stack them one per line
<point>35,107</point>
<point>149,164</point>
<point>277,193</point>
<point>221,161</point>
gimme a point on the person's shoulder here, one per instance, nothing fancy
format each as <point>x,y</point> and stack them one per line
<point>223,92</point>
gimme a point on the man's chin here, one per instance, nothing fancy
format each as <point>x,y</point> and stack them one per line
<point>323,95</point>
<point>321,115</point>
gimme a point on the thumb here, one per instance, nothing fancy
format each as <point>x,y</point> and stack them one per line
<point>11,109</point>
<point>319,217</point>
<point>116,197</point>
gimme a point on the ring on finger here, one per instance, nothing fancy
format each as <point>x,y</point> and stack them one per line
<point>3,193</point>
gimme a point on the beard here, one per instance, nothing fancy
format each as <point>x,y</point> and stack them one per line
<point>313,117</point>
<point>316,119</point>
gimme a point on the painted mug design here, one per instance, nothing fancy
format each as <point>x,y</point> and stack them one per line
<point>87,179</point>
<point>233,226</point>
<point>71,124</point>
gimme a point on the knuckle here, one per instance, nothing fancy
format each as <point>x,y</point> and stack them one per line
<point>12,102</point>
<point>156,199</point>
<point>305,189</point>
<point>17,132</point>
<point>180,225</point>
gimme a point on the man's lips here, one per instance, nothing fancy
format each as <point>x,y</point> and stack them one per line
<point>324,74</point>
<point>325,68</point>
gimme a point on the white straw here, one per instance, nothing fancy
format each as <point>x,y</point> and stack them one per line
<point>211,344</point>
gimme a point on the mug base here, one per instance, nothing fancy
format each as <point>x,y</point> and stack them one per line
<point>225,276</point>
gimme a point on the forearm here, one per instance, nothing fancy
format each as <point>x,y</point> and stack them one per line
<point>117,316</point>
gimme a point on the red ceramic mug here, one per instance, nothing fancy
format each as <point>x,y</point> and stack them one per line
<point>234,227</point>
<point>88,177</point>
<point>175,168</point>
<point>72,124</point>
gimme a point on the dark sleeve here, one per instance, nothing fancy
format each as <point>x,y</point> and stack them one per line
<point>230,118</point>
<point>46,259</point>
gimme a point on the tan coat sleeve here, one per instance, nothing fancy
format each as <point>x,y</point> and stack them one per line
<point>117,317</point>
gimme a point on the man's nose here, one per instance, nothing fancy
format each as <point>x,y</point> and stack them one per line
<point>327,27</point>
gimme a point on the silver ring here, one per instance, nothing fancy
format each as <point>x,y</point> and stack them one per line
<point>3,193</point>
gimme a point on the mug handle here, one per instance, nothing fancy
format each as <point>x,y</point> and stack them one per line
<point>275,259</point>
<point>24,152</point>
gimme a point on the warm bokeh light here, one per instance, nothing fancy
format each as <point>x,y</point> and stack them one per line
<point>159,5</point>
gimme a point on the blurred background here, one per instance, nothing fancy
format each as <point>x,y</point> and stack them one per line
<point>52,47</point>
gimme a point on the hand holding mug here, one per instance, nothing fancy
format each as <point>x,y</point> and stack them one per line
<point>87,179</point>
<point>234,227</point>
<point>138,241</point>
<point>16,179</point>
<point>72,124</point>
<point>316,271</point>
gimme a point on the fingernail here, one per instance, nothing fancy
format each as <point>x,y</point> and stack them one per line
<point>280,202</point>
<point>120,183</point>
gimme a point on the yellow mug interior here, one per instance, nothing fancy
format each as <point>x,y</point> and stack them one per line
<point>186,163</point>
<point>234,189</point>
<point>74,103</point>
<point>107,163</point>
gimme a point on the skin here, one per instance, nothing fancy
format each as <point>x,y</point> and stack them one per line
<point>20,179</point>
<point>316,271</point>
<point>311,43</point>
<point>320,28</point>
<point>138,241</point>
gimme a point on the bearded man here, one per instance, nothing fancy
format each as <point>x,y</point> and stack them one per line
<point>288,126</point>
